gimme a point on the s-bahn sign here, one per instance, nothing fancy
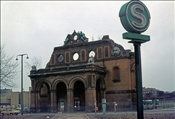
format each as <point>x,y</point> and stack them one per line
<point>134,17</point>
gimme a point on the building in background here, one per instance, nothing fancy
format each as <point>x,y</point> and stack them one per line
<point>5,95</point>
<point>150,93</point>
<point>11,99</point>
<point>81,73</point>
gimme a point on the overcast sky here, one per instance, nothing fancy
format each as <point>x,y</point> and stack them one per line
<point>37,27</point>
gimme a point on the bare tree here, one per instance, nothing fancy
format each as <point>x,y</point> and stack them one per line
<point>34,62</point>
<point>7,70</point>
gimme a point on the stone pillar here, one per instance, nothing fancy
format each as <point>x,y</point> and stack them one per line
<point>70,100</point>
<point>53,100</point>
<point>32,103</point>
<point>90,96</point>
<point>37,99</point>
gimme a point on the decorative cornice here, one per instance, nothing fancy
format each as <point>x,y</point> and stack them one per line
<point>64,70</point>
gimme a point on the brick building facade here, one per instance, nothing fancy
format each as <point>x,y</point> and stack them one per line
<point>81,73</point>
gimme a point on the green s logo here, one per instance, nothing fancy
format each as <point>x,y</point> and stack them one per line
<point>134,17</point>
<point>138,15</point>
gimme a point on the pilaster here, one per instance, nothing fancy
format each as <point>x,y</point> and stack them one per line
<point>90,95</point>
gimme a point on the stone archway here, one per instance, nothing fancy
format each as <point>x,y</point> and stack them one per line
<point>61,96</point>
<point>79,96</point>
<point>73,89</point>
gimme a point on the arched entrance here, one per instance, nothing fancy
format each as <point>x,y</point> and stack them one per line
<point>44,97</point>
<point>79,96</point>
<point>61,93</point>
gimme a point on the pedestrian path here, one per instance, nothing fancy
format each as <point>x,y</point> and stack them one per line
<point>70,116</point>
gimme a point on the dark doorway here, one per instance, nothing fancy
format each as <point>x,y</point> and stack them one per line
<point>79,96</point>
<point>61,96</point>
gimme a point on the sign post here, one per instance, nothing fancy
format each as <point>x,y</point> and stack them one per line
<point>135,18</point>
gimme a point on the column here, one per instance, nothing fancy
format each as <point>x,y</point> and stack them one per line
<point>32,103</point>
<point>37,103</point>
<point>53,100</point>
<point>90,96</point>
<point>70,100</point>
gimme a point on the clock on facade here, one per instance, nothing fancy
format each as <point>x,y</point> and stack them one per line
<point>116,51</point>
<point>75,56</point>
<point>91,54</point>
<point>75,37</point>
<point>60,58</point>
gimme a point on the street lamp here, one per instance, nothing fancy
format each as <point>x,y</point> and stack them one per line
<point>22,79</point>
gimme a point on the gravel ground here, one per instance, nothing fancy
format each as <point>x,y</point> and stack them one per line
<point>107,116</point>
<point>133,116</point>
<point>26,117</point>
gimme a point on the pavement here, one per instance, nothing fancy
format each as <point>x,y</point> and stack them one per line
<point>72,116</point>
<point>168,113</point>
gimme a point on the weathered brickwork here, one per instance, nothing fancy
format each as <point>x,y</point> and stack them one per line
<point>80,74</point>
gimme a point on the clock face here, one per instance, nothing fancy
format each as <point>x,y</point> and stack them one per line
<point>60,58</point>
<point>116,51</point>
<point>92,54</point>
<point>75,37</point>
<point>75,56</point>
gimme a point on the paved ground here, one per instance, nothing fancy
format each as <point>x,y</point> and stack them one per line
<point>48,116</point>
<point>97,116</point>
<point>149,114</point>
<point>93,116</point>
<point>132,116</point>
<point>73,116</point>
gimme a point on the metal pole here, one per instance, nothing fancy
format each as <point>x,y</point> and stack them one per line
<point>21,97</point>
<point>138,80</point>
<point>21,84</point>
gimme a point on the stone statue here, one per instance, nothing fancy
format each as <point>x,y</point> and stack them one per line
<point>91,60</point>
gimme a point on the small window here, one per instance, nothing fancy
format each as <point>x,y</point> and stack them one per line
<point>106,51</point>
<point>67,57</point>
<point>99,53</point>
<point>83,55</point>
<point>52,59</point>
<point>89,80</point>
<point>116,74</point>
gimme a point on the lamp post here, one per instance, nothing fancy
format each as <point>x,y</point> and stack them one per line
<point>21,55</point>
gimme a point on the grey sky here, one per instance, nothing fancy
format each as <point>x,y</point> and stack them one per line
<point>37,27</point>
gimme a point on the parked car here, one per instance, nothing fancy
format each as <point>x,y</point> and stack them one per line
<point>26,110</point>
<point>10,112</point>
